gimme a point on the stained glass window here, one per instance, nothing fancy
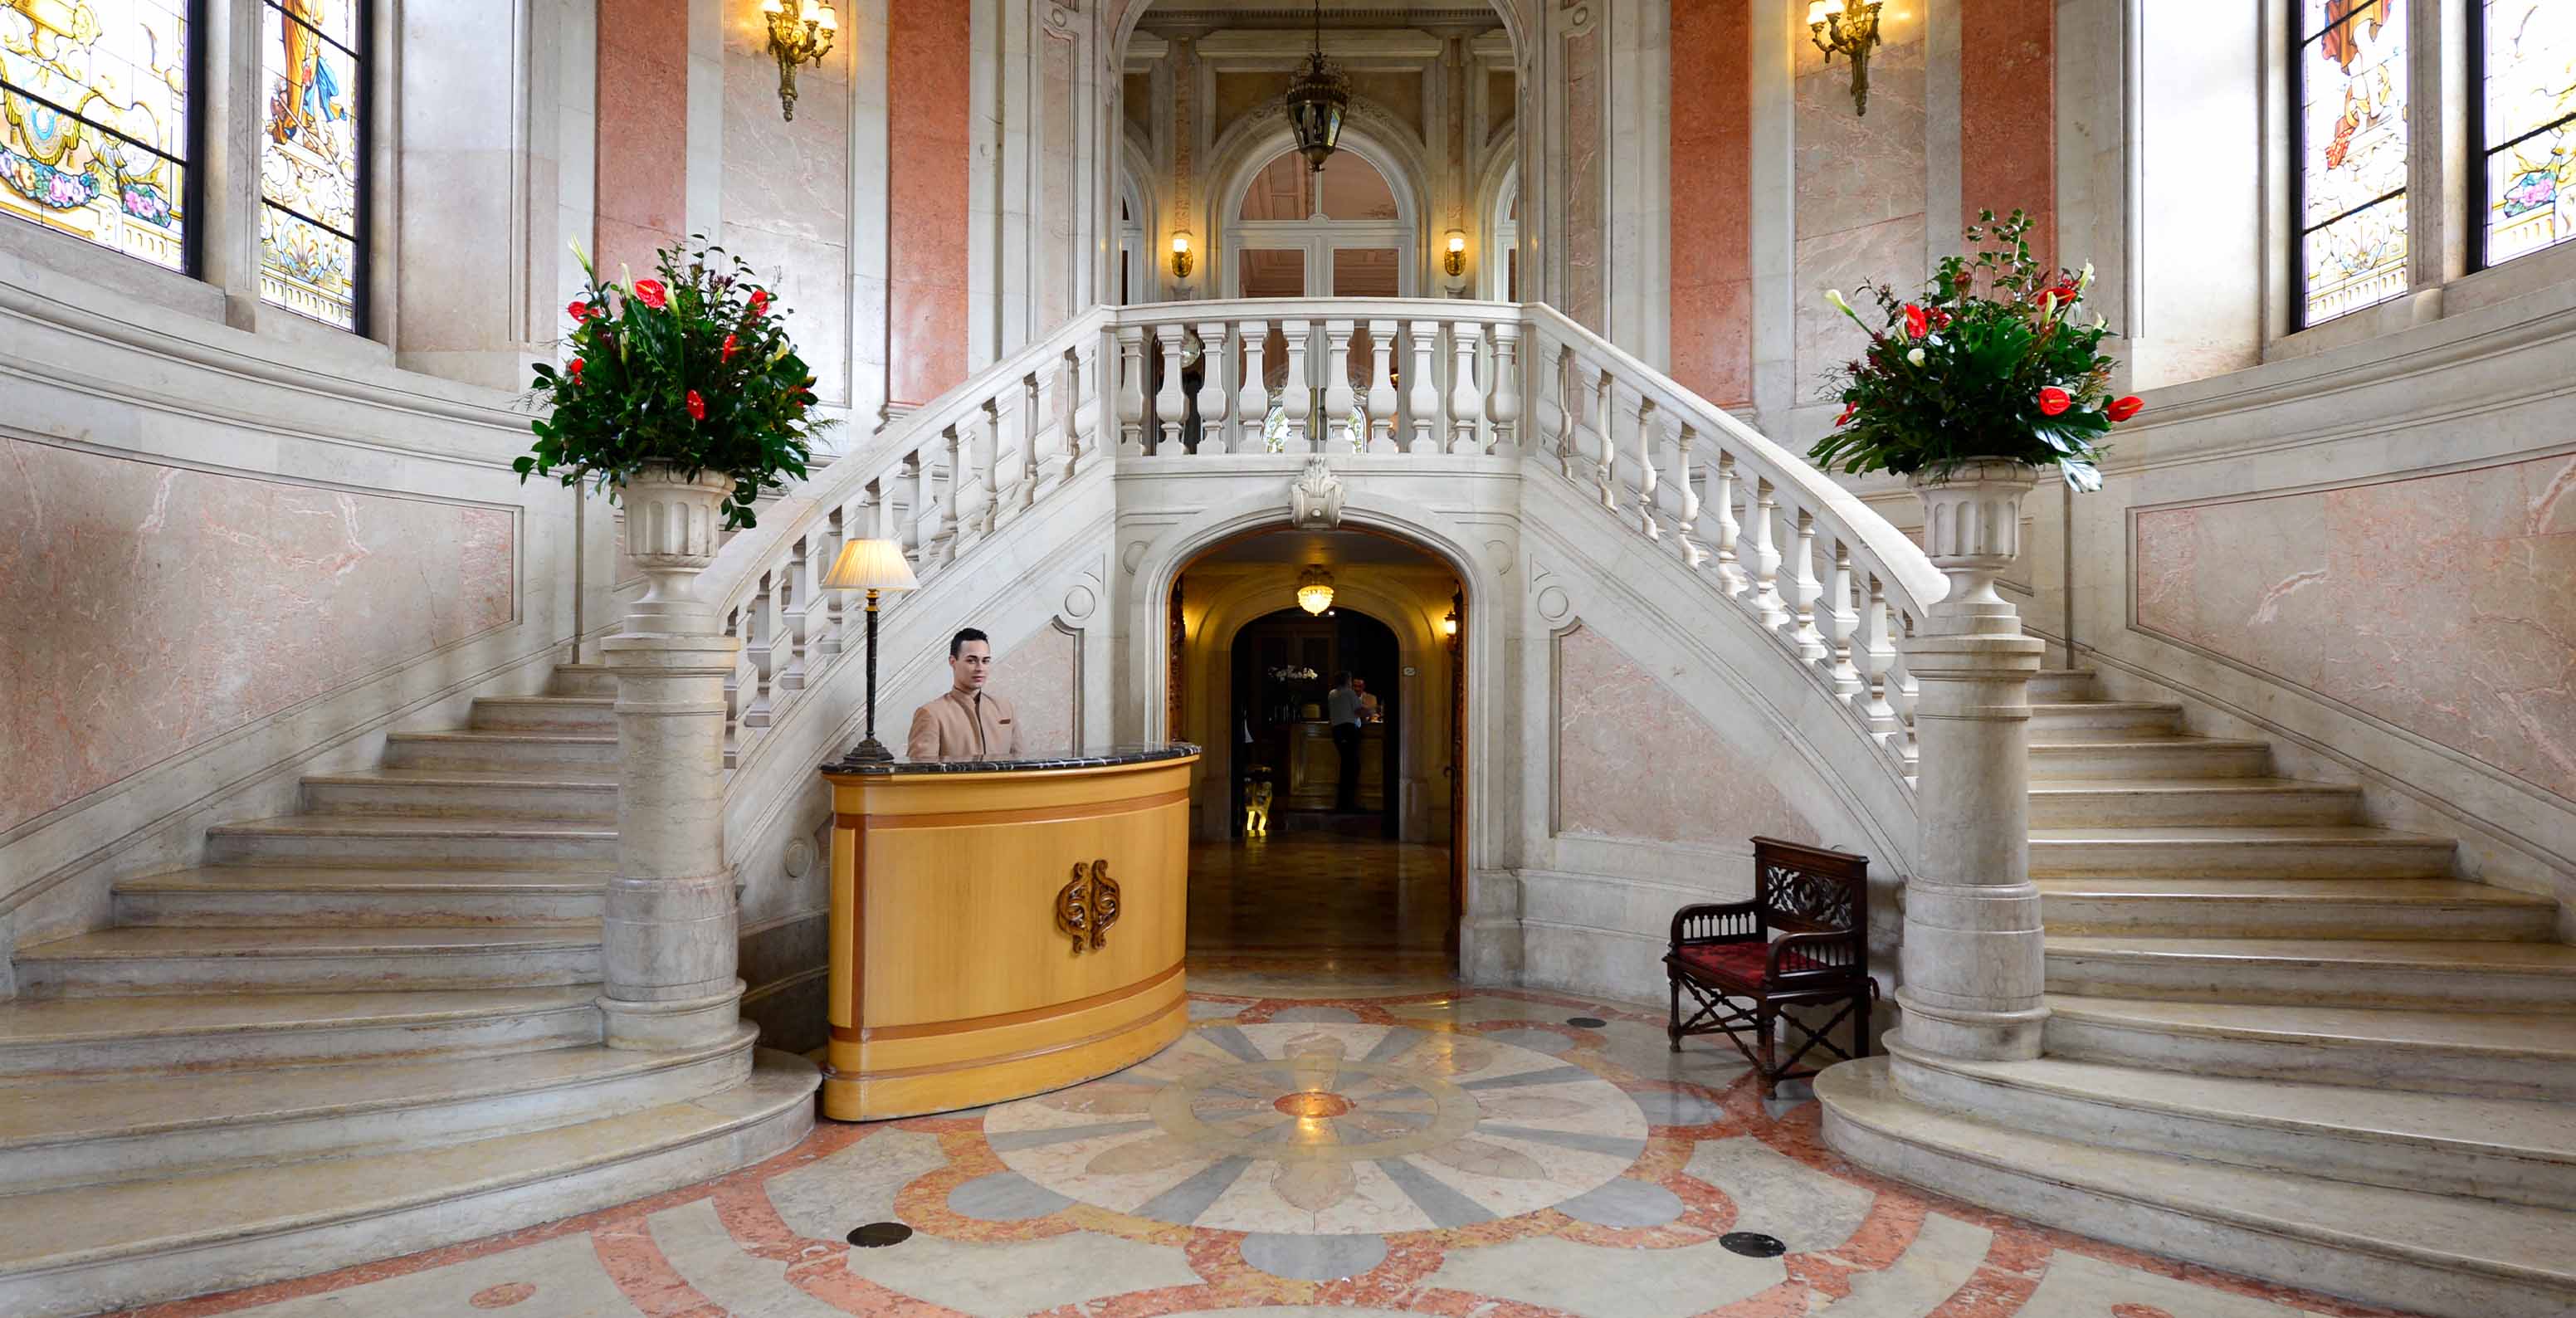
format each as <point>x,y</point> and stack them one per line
<point>311,145</point>
<point>2349,86</point>
<point>2529,121</point>
<point>94,129</point>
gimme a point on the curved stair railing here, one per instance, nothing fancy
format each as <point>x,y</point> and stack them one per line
<point>1833,584</point>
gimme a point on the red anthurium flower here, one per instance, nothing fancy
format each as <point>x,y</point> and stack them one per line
<point>2121,409</point>
<point>1940,318</point>
<point>1917,324</point>
<point>651,293</point>
<point>580,311</point>
<point>759,302</point>
<point>728,349</point>
<point>697,406</point>
<point>1845,418</point>
<point>573,369</point>
<point>2053,400</point>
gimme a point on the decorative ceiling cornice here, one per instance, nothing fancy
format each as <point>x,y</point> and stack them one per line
<point>1193,21</point>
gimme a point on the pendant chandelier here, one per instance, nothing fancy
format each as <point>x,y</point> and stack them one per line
<point>1315,590</point>
<point>1317,101</point>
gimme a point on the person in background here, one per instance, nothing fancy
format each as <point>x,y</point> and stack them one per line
<point>1371,710</point>
<point>1342,710</point>
<point>969,722</point>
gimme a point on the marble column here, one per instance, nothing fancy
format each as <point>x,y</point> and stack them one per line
<point>1972,971</point>
<point>669,935</point>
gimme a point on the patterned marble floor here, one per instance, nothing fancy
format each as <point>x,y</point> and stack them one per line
<point>1333,1133</point>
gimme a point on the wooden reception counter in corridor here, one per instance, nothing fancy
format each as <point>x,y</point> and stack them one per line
<point>1000,929</point>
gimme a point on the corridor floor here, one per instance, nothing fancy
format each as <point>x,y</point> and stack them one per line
<point>1307,891</point>
<point>1339,1132</point>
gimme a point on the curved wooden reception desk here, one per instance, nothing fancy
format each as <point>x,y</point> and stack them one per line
<point>1003,928</point>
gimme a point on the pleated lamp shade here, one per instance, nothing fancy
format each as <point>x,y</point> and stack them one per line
<point>870,565</point>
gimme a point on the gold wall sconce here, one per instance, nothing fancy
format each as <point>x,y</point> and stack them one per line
<point>1454,258</point>
<point>1848,27</point>
<point>801,37</point>
<point>1182,261</point>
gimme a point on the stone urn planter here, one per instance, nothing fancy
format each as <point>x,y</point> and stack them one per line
<point>673,526</point>
<point>1972,533</point>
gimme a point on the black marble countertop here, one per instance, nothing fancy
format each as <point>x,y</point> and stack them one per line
<point>1115,755</point>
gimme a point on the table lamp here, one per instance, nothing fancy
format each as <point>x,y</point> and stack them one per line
<point>872,566</point>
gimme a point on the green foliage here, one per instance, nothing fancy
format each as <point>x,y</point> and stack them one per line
<point>692,368</point>
<point>1973,370</point>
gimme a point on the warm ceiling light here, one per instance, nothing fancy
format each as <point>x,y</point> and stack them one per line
<point>1850,30</point>
<point>1181,258</point>
<point>803,37</point>
<point>1315,590</point>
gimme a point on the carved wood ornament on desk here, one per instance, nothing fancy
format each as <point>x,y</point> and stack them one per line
<point>1087,905</point>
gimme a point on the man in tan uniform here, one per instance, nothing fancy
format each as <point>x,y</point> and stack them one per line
<point>969,722</point>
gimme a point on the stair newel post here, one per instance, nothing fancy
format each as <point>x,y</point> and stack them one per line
<point>1171,402</point>
<point>668,936</point>
<point>1466,400</point>
<point>1381,392</point>
<point>1131,391</point>
<point>1298,398</point>
<point>1338,400</point>
<point>1503,400</point>
<point>1422,394</point>
<point>1215,396</point>
<point>1252,406</point>
<point>1973,970</point>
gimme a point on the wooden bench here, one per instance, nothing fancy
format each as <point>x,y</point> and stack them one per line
<point>1739,975</point>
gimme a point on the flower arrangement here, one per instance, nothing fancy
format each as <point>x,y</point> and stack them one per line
<point>692,369</point>
<point>1992,363</point>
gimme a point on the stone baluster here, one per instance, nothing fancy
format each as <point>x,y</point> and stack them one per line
<point>843,525</point>
<point>1768,608</point>
<point>779,630</point>
<point>1422,395</point>
<point>1214,396</point>
<point>1297,400</point>
<point>668,936</point>
<point>1605,469</point>
<point>1804,588</point>
<point>1841,620</point>
<point>1877,656</point>
<point>1649,480</point>
<point>1561,423</point>
<point>1686,476</point>
<point>1131,391</point>
<point>1171,404</point>
<point>1252,404</point>
<point>1030,434</point>
<point>756,654</point>
<point>1338,401</point>
<point>1466,401</point>
<point>988,460</point>
<point>919,465</point>
<point>951,518</point>
<point>1972,970</point>
<point>1381,394</point>
<point>1077,406</point>
<point>1723,497</point>
<point>1503,400</point>
<point>796,572</point>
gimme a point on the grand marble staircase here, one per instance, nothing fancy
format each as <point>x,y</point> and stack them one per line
<point>357,1031</point>
<point>2281,1041</point>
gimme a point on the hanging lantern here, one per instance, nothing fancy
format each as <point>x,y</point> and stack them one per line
<point>1318,101</point>
<point>1315,590</point>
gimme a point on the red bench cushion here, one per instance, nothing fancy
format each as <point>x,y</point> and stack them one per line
<point>1741,963</point>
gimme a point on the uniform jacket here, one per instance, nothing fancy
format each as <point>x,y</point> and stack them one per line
<point>946,729</point>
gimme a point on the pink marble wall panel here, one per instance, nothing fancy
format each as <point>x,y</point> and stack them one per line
<point>154,608</point>
<point>1633,761</point>
<point>928,53</point>
<point>2008,113</point>
<point>2444,604</point>
<point>1712,231</point>
<point>643,146</point>
<point>786,191</point>
<point>1859,188</point>
<point>1041,676</point>
<point>1586,232</point>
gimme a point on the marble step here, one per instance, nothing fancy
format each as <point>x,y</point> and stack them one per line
<point>2442,1255</point>
<point>2148,757</point>
<point>2316,972</point>
<point>510,752</point>
<point>2190,802</point>
<point>201,1033</point>
<point>60,1133</point>
<point>2502,1055</point>
<point>415,840</point>
<point>309,959</point>
<point>292,896</point>
<point>2319,851</point>
<point>93,1248</point>
<point>478,793</point>
<point>2515,1150</point>
<point>593,715</point>
<point>2295,908</point>
<point>2062,685</point>
<point>582,680</point>
<point>2102,720</point>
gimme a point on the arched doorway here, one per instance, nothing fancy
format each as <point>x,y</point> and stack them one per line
<point>1366,864</point>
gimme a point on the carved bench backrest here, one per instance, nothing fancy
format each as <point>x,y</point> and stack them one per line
<point>1807,889</point>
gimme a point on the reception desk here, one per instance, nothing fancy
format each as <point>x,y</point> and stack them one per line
<point>1002,928</point>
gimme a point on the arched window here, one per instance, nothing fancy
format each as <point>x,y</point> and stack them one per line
<point>96,127</point>
<point>2348,114</point>
<point>1340,232</point>
<point>312,154</point>
<point>2527,118</point>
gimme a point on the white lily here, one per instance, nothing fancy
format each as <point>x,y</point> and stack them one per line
<point>1916,356</point>
<point>2084,280</point>
<point>2048,306</point>
<point>1835,296</point>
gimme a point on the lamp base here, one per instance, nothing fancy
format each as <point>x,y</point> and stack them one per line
<point>871,751</point>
